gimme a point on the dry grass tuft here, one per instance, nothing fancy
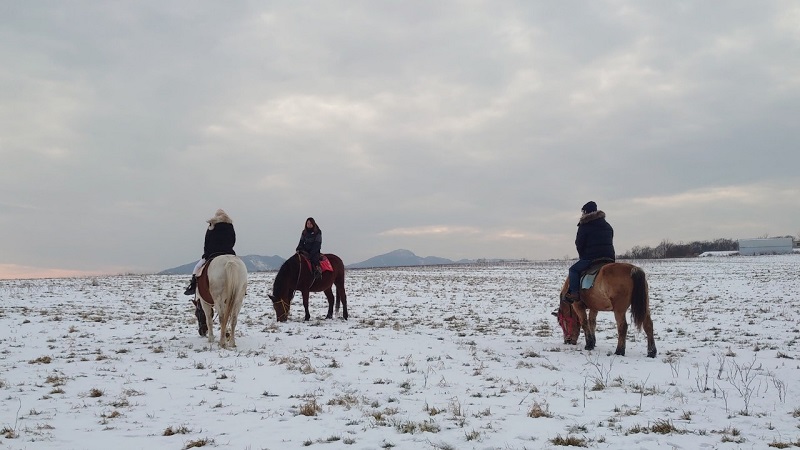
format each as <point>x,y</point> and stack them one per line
<point>95,392</point>
<point>310,408</point>
<point>569,441</point>
<point>169,431</point>
<point>9,433</point>
<point>198,443</point>
<point>41,360</point>
<point>539,410</point>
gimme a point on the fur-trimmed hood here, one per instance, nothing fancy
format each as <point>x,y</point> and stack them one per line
<point>586,218</point>
<point>219,217</point>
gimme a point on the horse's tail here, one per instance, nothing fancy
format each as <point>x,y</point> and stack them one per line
<point>640,303</point>
<point>232,286</point>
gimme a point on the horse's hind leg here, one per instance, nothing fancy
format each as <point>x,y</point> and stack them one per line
<point>329,296</point>
<point>589,327</point>
<point>233,319</point>
<point>232,328</point>
<point>651,342</point>
<point>223,332</point>
<point>622,332</point>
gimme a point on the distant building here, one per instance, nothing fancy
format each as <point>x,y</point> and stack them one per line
<point>769,246</point>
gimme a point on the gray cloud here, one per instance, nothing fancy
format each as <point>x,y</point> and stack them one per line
<point>456,129</point>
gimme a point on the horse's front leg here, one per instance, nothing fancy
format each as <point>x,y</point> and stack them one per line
<point>305,305</point>
<point>622,332</point>
<point>202,328</point>
<point>209,310</point>
<point>341,295</point>
<point>329,295</point>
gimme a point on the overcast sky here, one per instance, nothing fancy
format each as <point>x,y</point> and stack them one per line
<point>462,129</point>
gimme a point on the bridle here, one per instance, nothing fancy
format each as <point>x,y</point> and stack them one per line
<point>284,304</point>
<point>567,322</point>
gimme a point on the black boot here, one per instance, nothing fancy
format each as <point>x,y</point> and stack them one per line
<point>572,297</point>
<point>192,286</point>
<point>317,273</point>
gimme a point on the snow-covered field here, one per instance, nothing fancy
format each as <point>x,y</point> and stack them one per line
<point>437,357</point>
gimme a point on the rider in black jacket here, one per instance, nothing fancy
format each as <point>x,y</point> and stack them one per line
<point>311,244</point>
<point>220,239</point>
<point>594,240</point>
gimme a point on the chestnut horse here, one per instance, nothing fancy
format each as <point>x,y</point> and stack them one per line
<point>617,286</point>
<point>295,275</point>
<point>227,286</point>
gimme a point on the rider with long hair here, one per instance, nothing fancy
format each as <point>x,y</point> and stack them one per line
<point>311,244</point>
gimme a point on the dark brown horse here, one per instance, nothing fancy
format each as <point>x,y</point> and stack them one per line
<point>617,286</point>
<point>295,275</point>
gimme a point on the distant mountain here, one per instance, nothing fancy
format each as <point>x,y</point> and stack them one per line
<point>254,263</point>
<point>400,258</point>
<point>397,258</point>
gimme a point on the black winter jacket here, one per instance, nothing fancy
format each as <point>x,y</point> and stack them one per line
<point>219,240</point>
<point>595,238</point>
<point>310,242</point>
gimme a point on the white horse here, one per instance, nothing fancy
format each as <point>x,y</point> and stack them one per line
<point>227,282</point>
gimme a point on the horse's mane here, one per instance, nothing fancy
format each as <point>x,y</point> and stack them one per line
<point>282,278</point>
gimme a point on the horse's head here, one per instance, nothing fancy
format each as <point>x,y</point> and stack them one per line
<point>568,321</point>
<point>202,326</point>
<point>281,308</point>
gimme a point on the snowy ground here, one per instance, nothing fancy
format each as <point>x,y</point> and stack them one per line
<point>438,358</point>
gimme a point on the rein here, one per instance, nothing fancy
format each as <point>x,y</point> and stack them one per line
<point>299,271</point>
<point>285,303</point>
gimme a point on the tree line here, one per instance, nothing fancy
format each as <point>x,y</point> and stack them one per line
<point>667,249</point>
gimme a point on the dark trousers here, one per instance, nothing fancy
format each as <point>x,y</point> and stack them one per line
<point>575,274</point>
<point>313,257</point>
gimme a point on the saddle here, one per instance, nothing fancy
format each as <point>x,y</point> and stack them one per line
<point>324,264</point>
<point>203,287</point>
<point>588,275</point>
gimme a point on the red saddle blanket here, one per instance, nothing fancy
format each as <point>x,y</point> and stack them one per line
<point>324,264</point>
<point>203,286</point>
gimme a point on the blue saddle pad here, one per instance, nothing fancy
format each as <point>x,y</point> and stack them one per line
<point>588,280</point>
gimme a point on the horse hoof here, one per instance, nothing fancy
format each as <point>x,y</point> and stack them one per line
<point>588,347</point>
<point>620,352</point>
<point>328,317</point>
<point>651,354</point>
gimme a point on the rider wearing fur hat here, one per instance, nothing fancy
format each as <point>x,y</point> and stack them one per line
<point>594,240</point>
<point>220,239</point>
